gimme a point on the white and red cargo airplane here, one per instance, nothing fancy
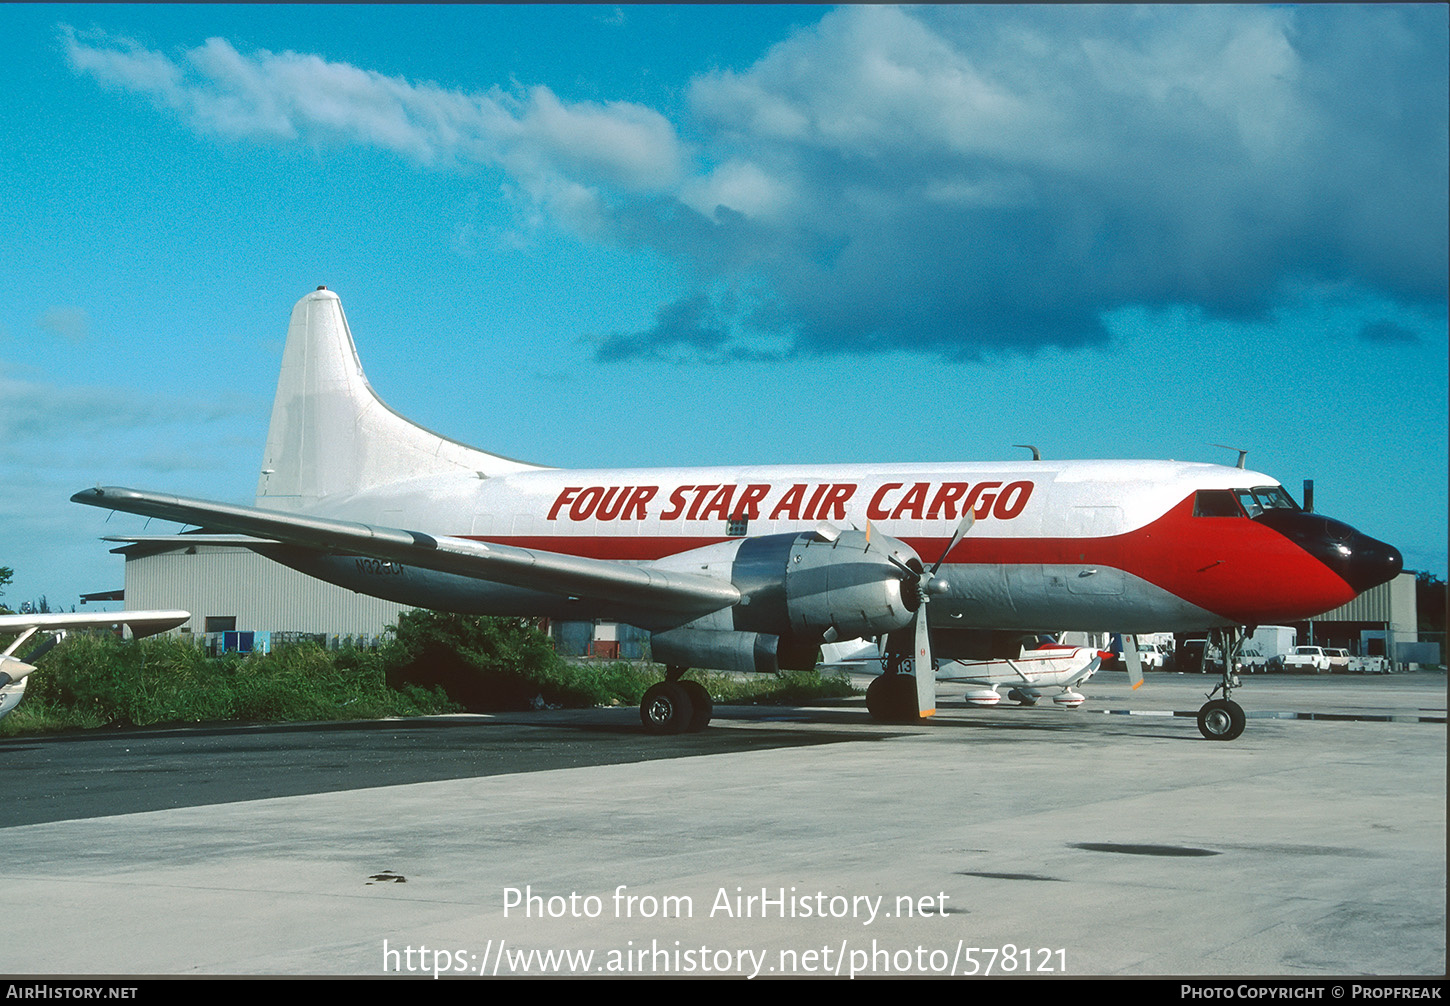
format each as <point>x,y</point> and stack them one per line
<point>751,568</point>
<point>15,671</point>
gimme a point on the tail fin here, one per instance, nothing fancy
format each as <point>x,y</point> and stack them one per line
<point>330,432</point>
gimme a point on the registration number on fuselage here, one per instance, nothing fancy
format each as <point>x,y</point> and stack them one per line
<point>378,567</point>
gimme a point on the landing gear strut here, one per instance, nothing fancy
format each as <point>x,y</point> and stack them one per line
<point>1223,719</point>
<point>676,706</point>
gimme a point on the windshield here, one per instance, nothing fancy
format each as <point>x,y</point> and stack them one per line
<point>1255,501</point>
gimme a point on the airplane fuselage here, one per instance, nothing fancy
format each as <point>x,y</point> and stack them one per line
<point>1069,545</point>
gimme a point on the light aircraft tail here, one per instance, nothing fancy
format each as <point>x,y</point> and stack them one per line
<point>330,433</point>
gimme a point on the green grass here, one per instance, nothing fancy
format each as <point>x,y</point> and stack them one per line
<point>98,681</point>
<point>437,664</point>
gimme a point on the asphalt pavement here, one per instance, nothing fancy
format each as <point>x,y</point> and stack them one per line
<point>1109,840</point>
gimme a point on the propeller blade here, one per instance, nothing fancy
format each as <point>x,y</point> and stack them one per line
<point>1130,657</point>
<point>923,667</point>
<point>911,573</point>
<point>15,670</point>
<point>968,519</point>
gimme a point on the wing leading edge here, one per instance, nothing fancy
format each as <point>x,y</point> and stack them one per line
<point>141,623</point>
<point>534,569</point>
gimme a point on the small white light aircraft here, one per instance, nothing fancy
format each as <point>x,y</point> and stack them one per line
<point>15,672</point>
<point>1038,668</point>
<point>753,568</point>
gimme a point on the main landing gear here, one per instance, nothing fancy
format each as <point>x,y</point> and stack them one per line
<point>676,706</point>
<point>1223,719</point>
<point>891,696</point>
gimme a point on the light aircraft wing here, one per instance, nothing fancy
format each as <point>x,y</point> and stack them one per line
<point>534,569</point>
<point>141,623</point>
<point>14,671</point>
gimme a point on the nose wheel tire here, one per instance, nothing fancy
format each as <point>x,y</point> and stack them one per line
<point>1221,720</point>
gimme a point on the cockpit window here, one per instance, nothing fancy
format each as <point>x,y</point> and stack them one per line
<point>1215,503</point>
<point>1274,498</point>
<point>1238,502</point>
<point>1255,501</point>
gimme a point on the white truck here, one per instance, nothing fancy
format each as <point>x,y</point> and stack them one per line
<point>1153,656</point>
<point>1270,642</point>
<point>1306,660</point>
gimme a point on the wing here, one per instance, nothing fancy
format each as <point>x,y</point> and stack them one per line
<point>142,623</point>
<point>14,671</point>
<point>534,569</point>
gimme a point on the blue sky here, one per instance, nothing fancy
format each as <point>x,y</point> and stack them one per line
<point>708,235</point>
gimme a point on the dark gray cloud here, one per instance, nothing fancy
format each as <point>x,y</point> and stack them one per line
<point>972,181</point>
<point>693,329</point>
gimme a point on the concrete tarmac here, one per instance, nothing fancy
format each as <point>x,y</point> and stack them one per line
<point>1008,841</point>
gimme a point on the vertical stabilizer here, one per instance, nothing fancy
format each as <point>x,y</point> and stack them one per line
<point>330,432</point>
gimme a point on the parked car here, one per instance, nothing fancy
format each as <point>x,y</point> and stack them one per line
<point>1338,661</point>
<point>1251,661</point>
<point>1306,660</point>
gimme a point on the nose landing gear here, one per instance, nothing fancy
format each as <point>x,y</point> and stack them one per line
<point>1223,719</point>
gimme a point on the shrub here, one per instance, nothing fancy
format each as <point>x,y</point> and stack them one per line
<point>100,680</point>
<point>485,663</point>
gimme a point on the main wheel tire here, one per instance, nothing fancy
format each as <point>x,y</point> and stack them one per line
<point>891,698</point>
<point>876,699</point>
<point>666,708</point>
<point>1221,720</point>
<point>703,707</point>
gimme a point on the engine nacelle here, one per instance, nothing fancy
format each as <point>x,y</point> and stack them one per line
<point>797,590</point>
<point>807,584</point>
<point>847,584</point>
<point>13,676</point>
<point>10,696</point>
<point>727,650</point>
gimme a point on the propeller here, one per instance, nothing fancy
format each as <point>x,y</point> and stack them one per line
<point>14,670</point>
<point>1130,658</point>
<point>926,584</point>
